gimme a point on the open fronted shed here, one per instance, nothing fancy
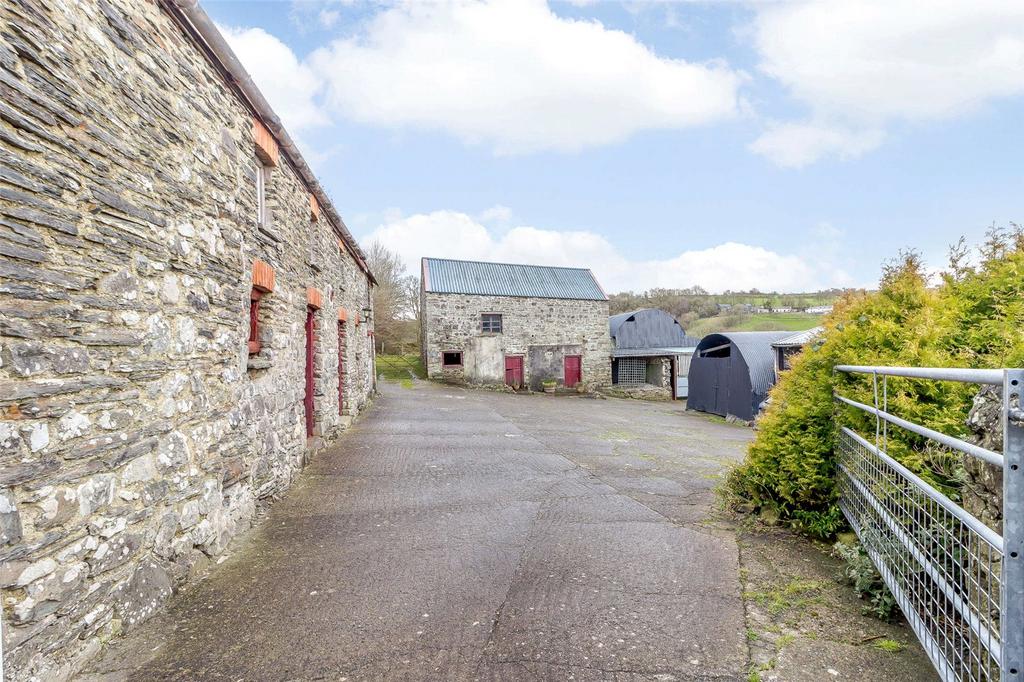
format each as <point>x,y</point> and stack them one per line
<point>650,347</point>
<point>731,373</point>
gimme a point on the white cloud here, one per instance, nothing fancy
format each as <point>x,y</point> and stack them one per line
<point>794,145</point>
<point>309,15</point>
<point>451,234</point>
<point>290,86</point>
<point>496,214</point>
<point>514,75</point>
<point>861,65</point>
<point>328,17</point>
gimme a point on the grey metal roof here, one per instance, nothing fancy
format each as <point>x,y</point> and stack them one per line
<point>648,328</point>
<point>444,276</point>
<point>652,352</point>
<point>800,338</point>
<point>756,349</point>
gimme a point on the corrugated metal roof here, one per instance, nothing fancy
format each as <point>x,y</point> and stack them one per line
<point>444,276</point>
<point>756,349</point>
<point>648,328</point>
<point>800,338</point>
<point>652,352</point>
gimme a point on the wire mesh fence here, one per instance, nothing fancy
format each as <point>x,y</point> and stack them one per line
<point>632,371</point>
<point>959,583</point>
<point>943,570</point>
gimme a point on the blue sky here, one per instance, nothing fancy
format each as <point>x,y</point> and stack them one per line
<point>783,146</point>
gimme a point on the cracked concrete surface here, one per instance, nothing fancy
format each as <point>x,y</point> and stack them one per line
<point>461,535</point>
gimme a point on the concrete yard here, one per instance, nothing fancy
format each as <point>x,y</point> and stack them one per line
<point>459,535</point>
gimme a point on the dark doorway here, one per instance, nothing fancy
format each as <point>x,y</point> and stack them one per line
<point>341,366</point>
<point>310,338</point>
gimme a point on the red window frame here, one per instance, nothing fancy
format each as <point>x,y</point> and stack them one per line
<point>254,321</point>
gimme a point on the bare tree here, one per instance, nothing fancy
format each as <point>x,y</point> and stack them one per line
<point>395,302</point>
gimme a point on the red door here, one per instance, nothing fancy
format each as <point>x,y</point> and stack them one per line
<point>514,371</point>
<point>341,367</point>
<point>572,370</point>
<point>308,399</point>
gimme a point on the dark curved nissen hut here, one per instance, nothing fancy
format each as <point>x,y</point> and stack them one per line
<point>731,373</point>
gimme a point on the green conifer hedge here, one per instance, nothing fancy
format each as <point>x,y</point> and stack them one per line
<point>973,318</point>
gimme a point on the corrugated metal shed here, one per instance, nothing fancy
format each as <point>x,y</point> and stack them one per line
<point>445,276</point>
<point>799,339</point>
<point>735,382</point>
<point>648,328</point>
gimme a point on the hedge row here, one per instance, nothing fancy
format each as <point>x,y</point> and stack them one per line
<point>973,318</point>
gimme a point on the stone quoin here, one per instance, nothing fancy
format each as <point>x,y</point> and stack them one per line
<point>161,244</point>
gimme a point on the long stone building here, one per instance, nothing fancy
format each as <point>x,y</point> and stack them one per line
<point>517,325</point>
<point>184,317</point>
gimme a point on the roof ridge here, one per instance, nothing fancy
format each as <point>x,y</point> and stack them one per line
<point>521,265</point>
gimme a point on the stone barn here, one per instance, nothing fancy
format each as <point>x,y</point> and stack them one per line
<point>731,373</point>
<point>515,325</point>
<point>184,318</point>
<point>650,349</point>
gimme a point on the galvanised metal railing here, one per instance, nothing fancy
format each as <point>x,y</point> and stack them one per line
<point>959,583</point>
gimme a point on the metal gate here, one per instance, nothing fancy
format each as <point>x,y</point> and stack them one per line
<point>959,583</point>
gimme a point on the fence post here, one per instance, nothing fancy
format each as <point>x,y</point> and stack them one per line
<point>1012,582</point>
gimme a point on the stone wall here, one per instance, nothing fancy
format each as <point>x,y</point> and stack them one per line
<point>138,435</point>
<point>451,322</point>
<point>983,487</point>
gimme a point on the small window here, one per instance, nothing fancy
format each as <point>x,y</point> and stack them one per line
<point>490,323</point>
<point>262,178</point>
<point>451,359</point>
<point>254,320</point>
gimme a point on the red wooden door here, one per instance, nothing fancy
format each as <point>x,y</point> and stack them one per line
<point>308,399</point>
<point>514,371</point>
<point>341,367</point>
<point>572,370</point>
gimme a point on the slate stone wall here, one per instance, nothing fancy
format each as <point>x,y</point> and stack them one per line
<point>983,487</point>
<point>451,322</point>
<point>137,435</point>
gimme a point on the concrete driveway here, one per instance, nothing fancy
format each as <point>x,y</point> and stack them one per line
<point>461,535</point>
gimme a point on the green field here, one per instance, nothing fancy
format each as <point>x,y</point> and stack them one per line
<point>777,300</point>
<point>755,322</point>
<point>400,367</point>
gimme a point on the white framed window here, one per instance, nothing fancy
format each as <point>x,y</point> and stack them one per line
<point>262,178</point>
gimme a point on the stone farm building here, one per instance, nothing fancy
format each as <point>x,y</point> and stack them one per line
<point>517,325</point>
<point>184,317</point>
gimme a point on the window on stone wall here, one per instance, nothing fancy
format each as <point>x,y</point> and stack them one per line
<point>262,180</point>
<point>254,320</point>
<point>490,323</point>
<point>262,284</point>
<point>451,358</point>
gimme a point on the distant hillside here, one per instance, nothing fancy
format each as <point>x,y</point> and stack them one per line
<point>700,312</point>
<point>757,322</point>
